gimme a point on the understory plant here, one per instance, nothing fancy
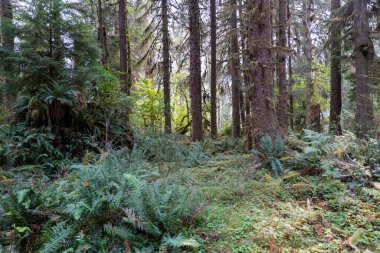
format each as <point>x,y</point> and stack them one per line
<point>271,151</point>
<point>105,207</point>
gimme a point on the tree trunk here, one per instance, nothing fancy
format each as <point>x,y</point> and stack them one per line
<point>6,18</point>
<point>363,54</point>
<point>129,55</point>
<point>102,35</point>
<point>290,71</point>
<point>123,47</point>
<point>282,84</point>
<point>264,119</point>
<point>308,52</point>
<point>247,100</point>
<point>336,77</point>
<point>7,43</point>
<point>234,68</point>
<point>166,64</point>
<point>195,71</point>
<point>214,123</point>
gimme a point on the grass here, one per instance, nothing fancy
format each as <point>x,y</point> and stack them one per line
<point>249,211</point>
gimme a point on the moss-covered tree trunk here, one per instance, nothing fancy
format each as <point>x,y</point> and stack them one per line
<point>195,70</point>
<point>335,70</point>
<point>363,56</point>
<point>234,70</point>
<point>264,118</point>
<point>214,123</point>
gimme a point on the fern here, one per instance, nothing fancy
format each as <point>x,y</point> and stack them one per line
<point>59,234</point>
<point>119,231</point>
<point>271,152</point>
<point>179,241</point>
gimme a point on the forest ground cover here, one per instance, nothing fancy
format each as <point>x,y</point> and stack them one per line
<point>254,212</point>
<point>169,195</point>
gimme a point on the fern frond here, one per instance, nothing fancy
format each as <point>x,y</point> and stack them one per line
<point>59,234</point>
<point>179,241</point>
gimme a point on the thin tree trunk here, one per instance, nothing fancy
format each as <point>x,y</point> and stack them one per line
<point>282,84</point>
<point>214,123</point>
<point>7,43</point>
<point>102,35</point>
<point>308,52</point>
<point>363,54</point>
<point>247,100</point>
<point>234,68</point>
<point>129,56</point>
<point>264,119</point>
<point>166,64</point>
<point>123,47</point>
<point>290,71</point>
<point>241,107</point>
<point>195,71</point>
<point>336,77</point>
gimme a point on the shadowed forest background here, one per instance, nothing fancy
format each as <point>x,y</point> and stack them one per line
<point>189,126</point>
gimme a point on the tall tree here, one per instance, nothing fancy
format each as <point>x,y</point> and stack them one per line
<point>363,56</point>
<point>264,119</point>
<point>214,123</point>
<point>282,83</point>
<point>234,70</point>
<point>102,34</point>
<point>6,19</point>
<point>336,77</point>
<point>290,72</point>
<point>166,64</point>
<point>195,70</point>
<point>7,41</point>
<point>247,101</point>
<point>123,47</point>
<point>308,51</point>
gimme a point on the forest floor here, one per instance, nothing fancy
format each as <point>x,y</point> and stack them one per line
<point>250,211</point>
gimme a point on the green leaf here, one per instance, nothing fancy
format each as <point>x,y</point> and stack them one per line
<point>23,229</point>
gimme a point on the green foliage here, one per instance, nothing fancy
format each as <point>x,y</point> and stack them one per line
<point>22,145</point>
<point>160,147</point>
<point>96,205</point>
<point>149,105</point>
<point>315,153</point>
<point>271,153</point>
<point>59,234</point>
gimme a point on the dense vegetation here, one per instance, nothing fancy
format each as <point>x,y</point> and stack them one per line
<point>189,126</point>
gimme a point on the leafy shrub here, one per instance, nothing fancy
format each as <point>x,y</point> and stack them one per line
<point>316,151</point>
<point>103,207</point>
<point>271,152</point>
<point>225,144</point>
<point>22,145</point>
<point>160,147</point>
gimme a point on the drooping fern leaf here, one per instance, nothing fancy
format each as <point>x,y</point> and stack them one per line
<point>180,241</point>
<point>59,234</point>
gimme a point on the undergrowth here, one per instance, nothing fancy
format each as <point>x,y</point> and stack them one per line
<point>308,193</point>
<point>108,206</point>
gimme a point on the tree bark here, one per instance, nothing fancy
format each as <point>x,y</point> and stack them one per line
<point>214,123</point>
<point>166,64</point>
<point>363,55</point>
<point>308,52</point>
<point>123,47</point>
<point>247,106</point>
<point>282,83</point>
<point>264,119</point>
<point>290,72</point>
<point>336,77</point>
<point>129,55</point>
<point>7,43</point>
<point>234,69</point>
<point>102,35</point>
<point>195,71</point>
